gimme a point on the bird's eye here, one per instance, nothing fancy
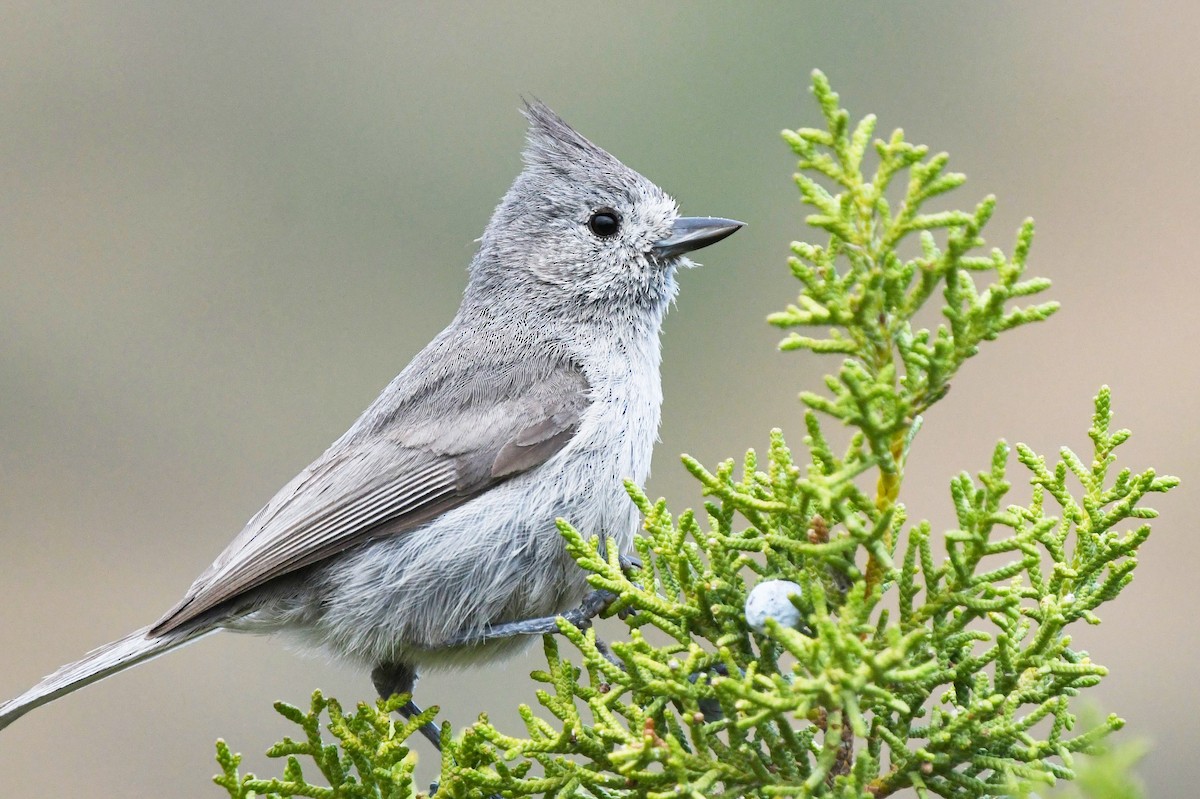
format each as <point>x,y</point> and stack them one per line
<point>604,223</point>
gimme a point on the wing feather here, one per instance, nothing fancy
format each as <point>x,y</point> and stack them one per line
<point>433,440</point>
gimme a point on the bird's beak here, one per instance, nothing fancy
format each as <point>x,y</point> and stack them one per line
<point>693,232</point>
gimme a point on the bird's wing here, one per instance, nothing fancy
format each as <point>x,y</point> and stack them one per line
<point>437,437</point>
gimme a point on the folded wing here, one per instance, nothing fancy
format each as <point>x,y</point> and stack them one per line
<point>437,437</point>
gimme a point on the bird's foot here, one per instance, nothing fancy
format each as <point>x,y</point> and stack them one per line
<point>593,604</point>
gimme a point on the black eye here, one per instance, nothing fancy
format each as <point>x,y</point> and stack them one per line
<point>604,223</point>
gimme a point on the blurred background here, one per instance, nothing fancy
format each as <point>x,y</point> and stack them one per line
<point>225,226</point>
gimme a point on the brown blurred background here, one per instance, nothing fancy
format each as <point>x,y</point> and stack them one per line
<point>225,226</point>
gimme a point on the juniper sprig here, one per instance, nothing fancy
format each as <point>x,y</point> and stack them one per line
<point>902,667</point>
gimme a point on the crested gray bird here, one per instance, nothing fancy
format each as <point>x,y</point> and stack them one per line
<point>431,521</point>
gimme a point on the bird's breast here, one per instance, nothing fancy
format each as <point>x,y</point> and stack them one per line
<point>617,433</point>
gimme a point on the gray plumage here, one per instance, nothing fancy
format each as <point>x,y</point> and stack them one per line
<point>434,514</point>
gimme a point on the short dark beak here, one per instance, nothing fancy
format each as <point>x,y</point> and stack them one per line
<point>693,232</point>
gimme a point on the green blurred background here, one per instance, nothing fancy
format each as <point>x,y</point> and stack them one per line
<point>225,226</point>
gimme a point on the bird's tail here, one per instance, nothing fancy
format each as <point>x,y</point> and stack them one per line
<point>135,648</point>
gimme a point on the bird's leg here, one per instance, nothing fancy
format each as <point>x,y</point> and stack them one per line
<point>593,605</point>
<point>581,617</point>
<point>400,678</point>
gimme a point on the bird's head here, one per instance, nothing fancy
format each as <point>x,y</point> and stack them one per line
<point>580,230</point>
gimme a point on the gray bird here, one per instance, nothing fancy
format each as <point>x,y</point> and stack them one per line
<point>431,522</point>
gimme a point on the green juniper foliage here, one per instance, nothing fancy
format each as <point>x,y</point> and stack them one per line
<point>949,675</point>
<point>1108,774</point>
<point>370,759</point>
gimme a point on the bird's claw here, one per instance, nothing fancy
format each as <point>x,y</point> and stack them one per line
<point>581,617</point>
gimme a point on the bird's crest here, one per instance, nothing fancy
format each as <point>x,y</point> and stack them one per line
<point>554,144</point>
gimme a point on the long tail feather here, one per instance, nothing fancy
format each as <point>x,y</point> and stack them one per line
<point>135,648</point>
